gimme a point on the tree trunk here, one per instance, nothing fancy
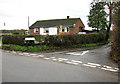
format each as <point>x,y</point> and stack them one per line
<point>110,20</point>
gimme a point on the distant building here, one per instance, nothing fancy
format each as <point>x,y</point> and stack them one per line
<point>57,26</point>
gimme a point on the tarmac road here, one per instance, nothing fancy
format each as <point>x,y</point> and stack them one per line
<point>30,67</point>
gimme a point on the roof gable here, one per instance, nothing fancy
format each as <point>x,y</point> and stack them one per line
<point>54,22</point>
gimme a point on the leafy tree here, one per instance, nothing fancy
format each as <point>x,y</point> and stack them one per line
<point>111,5</point>
<point>97,18</point>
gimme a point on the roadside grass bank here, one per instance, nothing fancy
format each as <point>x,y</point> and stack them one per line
<point>0,44</point>
<point>6,33</point>
<point>37,48</point>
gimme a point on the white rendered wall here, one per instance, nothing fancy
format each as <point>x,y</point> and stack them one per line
<point>65,29</point>
<point>42,31</point>
<point>53,31</point>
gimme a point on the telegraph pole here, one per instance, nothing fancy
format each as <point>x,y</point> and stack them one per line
<point>4,25</point>
<point>28,22</point>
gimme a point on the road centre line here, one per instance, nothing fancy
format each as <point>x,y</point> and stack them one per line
<point>74,62</point>
<point>89,65</point>
<point>33,54</point>
<point>94,64</point>
<point>109,69</point>
<point>41,56</point>
<point>46,58</point>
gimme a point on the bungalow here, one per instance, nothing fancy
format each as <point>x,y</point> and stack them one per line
<point>57,26</point>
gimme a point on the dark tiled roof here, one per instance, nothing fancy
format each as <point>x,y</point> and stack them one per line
<point>54,22</point>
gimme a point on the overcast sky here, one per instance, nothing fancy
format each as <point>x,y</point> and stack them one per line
<point>14,13</point>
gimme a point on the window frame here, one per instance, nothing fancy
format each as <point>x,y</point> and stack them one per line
<point>35,30</point>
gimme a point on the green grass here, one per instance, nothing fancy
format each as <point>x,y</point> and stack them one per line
<point>89,45</point>
<point>44,47</point>
<point>109,40</point>
<point>6,33</point>
<point>0,43</point>
<point>29,48</point>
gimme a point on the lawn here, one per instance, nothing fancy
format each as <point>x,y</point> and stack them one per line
<point>0,43</point>
<point>6,33</point>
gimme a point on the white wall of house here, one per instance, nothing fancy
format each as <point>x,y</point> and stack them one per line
<point>42,31</point>
<point>52,31</point>
<point>65,29</point>
<point>82,33</point>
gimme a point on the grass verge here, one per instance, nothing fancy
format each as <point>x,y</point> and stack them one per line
<point>89,45</point>
<point>44,47</point>
<point>6,33</point>
<point>25,48</point>
<point>0,44</point>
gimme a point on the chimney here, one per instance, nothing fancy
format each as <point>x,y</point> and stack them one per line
<point>68,17</point>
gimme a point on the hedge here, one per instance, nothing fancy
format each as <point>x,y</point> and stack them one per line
<point>13,39</point>
<point>56,40</point>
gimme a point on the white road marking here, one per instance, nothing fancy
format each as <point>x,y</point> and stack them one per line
<point>70,53</point>
<point>107,69</point>
<point>41,56</point>
<point>76,61</point>
<point>94,64</point>
<point>65,59</point>
<point>46,58</point>
<point>89,65</point>
<point>20,53</point>
<point>68,62</point>
<point>117,68</point>
<point>107,66</point>
<point>25,53</point>
<point>76,54</point>
<point>54,59</point>
<point>13,52</point>
<point>84,52</point>
<point>60,60</point>
<point>113,70</point>
<point>33,54</point>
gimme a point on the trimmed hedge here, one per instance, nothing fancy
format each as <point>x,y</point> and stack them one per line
<point>57,40</point>
<point>13,39</point>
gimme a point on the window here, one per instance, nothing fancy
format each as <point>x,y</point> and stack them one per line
<point>74,25</point>
<point>81,28</point>
<point>63,29</point>
<point>67,29</point>
<point>35,30</point>
<point>46,30</point>
<point>60,29</point>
